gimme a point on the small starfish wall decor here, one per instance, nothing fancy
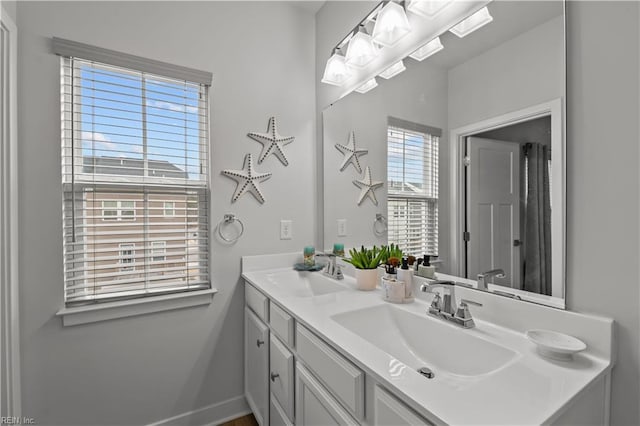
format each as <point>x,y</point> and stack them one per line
<point>367,187</point>
<point>351,154</point>
<point>272,142</point>
<point>248,180</point>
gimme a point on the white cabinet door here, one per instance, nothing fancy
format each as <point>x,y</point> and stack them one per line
<point>388,410</point>
<point>281,360</point>
<point>256,366</point>
<point>277,415</point>
<point>314,405</point>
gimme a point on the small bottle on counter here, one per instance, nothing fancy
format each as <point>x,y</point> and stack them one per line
<point>338,249</point>
<point>406,275</point>
<point>309,254</point>
<point>426,270</point>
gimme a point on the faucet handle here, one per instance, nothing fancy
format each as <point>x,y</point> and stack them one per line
<point>463,309</point>
<point>436,302</point>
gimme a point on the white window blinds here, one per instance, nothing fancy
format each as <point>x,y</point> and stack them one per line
<point>135,181</point>
<point>412,173</point>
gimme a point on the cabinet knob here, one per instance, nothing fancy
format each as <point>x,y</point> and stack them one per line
<point>274,376</point>
<point>259,342</point>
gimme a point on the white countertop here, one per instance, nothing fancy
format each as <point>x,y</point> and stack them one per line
<point>529,389</point>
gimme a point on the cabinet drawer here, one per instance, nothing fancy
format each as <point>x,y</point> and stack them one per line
<point>281,323</point>
<point>342,378</point>
<point>388,410</point>
<point>277,417</point>
<point>257,301</point>
<point>281,375</point>
<point>314,404</point>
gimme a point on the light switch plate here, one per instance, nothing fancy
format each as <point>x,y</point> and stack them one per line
<point>286,229</point>
<point>342,227</point>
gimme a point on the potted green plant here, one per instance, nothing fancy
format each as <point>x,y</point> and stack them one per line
<point>366,262</point>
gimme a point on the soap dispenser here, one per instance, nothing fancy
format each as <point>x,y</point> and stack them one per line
<point>426,270</point>
<point>406,275</point>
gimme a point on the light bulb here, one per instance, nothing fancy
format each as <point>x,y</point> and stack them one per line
<point>431,48</point>
<point>336,71</point>
<point>472,23</point>
<point>393,70</point>
<point>391,25</point>
<point>370,84</point>
<point>361,50</point>
<point>427,8</point>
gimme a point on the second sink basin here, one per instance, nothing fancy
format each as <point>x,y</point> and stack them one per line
<point>422,341</point>
<point>305,284</point>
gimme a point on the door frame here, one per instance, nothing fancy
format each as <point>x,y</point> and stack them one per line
<point>555,109</point>
<point>10,386</point>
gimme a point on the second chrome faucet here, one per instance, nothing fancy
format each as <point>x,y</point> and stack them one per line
<point>443,306</point>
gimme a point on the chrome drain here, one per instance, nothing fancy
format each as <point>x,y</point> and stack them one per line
<point>426,372</point>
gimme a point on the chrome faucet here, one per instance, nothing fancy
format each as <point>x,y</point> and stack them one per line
<point>440,304</point>
<point>442,307</point>
<point>484,276</point>
<point>331,269</point>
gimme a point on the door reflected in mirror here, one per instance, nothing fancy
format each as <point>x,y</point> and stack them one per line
<point>464,142</point>
<point>508,205</point>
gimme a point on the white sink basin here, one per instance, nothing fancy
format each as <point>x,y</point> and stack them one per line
<point>305,284</point>
<point>423,341</point>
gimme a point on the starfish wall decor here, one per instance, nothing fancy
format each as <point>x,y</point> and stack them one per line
<point>351,154</point>
<point>247,179</point>
<point>272,142</point>
<point>367,187</point>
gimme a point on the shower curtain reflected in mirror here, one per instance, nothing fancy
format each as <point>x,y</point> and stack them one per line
<point>537,241</point>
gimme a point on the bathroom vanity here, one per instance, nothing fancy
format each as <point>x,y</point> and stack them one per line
<point>318,351</point>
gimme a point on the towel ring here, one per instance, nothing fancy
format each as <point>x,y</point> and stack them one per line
<point>228,220</point>
<point>380,225</point>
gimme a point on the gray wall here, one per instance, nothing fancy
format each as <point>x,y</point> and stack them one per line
<point>603,181</point>
<point>10,7</point>
<point>142,369</point>
<point>602,145</point>
<point>527,70</point>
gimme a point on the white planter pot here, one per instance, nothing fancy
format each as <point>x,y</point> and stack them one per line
<point>366,279</point>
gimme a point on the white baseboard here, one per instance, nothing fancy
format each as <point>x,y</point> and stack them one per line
<point>213,414</point>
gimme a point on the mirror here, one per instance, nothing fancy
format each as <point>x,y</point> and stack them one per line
<point>469,147</point>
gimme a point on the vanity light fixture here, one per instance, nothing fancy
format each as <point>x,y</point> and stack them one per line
<point>431,48</point>
<point>336,71</point>
<point>361,50</point>
<point>472,23</point>
<point>427,8</point>
<point>369,85</point>
<point>391,25</point>
<point>393,70</point>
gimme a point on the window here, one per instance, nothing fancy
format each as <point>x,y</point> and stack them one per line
<point>134,151</point>
<point>118,210</point>
<point>127,257</point>
<point>412,173</point>
<point>158,251</point>
<point>110,210</point>
<point>169,209</point>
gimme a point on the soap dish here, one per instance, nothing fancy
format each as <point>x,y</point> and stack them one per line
<point>554,345</point>
<point>303,267</point>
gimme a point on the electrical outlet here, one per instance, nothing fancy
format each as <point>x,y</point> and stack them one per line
<point>342,227</point>
<point>286,230</point>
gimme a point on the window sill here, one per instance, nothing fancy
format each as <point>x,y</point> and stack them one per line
<point>128,308</point>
